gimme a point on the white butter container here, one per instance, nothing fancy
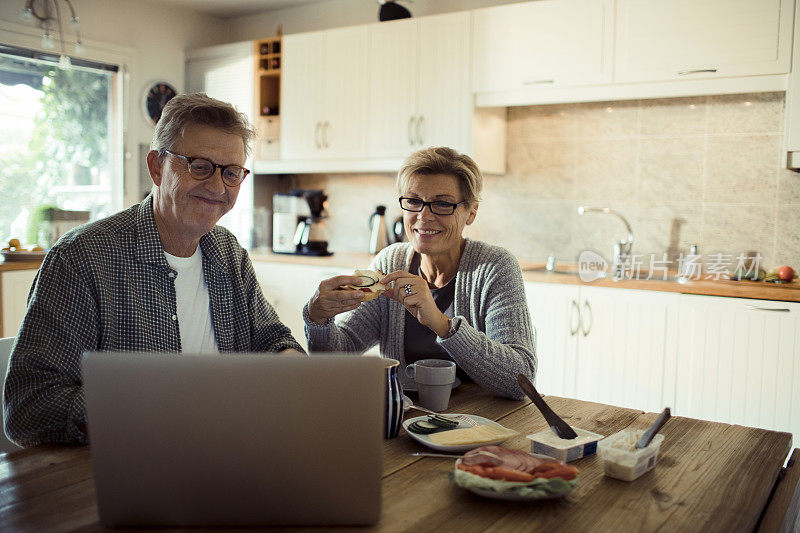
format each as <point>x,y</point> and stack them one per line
<point>548,443</point>
<point>622,461</point>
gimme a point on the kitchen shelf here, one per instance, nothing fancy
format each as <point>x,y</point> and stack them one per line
<point>267,53</point>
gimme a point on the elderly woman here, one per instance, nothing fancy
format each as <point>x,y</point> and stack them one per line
<point>452,298</point>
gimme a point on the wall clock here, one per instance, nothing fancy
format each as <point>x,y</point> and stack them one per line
<point>156,96</point>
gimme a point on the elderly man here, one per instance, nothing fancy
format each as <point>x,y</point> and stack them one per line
<point>159,276</point>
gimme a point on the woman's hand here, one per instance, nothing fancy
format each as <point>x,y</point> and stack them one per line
<point>413,292</point>
<point>330,299</point>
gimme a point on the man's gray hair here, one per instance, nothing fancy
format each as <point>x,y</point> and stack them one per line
<point>443,160</point>
<point>187,110</point>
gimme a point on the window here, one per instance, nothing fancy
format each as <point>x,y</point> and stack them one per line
<point>57,142</point>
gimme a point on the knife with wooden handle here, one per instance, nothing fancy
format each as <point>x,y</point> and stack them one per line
<point>557,424</point>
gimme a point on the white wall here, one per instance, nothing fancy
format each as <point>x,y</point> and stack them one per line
<point>150,37</point>
<point>339,13</point>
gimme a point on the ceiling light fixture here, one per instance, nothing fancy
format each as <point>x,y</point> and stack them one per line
<point>47,13</point>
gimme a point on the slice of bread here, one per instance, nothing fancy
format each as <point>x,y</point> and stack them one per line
<point>369,286</point>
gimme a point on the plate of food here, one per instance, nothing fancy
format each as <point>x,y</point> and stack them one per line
<point>22,255</point>
<point>14,251</point>
<point>515,475</point>
<point>455,432</point>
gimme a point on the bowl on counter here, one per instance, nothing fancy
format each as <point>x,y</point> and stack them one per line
<point>548,443</point>
<point>621,460</point>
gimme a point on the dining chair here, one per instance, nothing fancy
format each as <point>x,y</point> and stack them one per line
<point>5,352</point>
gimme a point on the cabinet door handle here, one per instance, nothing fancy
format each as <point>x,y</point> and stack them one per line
<point>316,135</point>
<point>420,122</point>
<point>538,82</point>
<point>587,307</point>
<point>411,131</point>
<point>574,304</point>
<point>695,71</point>
<point>775,309</point>
<point>325,127</point>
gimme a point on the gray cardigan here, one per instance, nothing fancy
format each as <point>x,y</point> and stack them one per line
<point>494,337</point>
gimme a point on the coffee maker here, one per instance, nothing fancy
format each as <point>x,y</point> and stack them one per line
<point>310,237</point>
<point>287,211</point>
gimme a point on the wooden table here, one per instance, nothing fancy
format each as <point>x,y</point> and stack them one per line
<point>710,477</point>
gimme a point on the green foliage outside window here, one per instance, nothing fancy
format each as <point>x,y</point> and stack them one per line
<point>70,138</point>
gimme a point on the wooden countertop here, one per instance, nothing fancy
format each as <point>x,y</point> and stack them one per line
<point>709,476</point>
<point>788,292</point>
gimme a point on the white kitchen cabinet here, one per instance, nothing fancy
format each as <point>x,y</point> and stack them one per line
<point>288,287</point>
<point>607,345</point>
<point>324,94</point>
<point>14,288</point>
<point>627,347</point>
<point>227,72</point>
<point>544,44</point>
<point>393,88</point>
<point>691,39</point>
<point>739,362</point>
<point>556,319</point>
<point>419,85</point>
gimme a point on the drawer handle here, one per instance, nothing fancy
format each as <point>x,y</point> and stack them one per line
<point>410,134</point>
<point>420,123</point>
<point>537,82</point>
<point>695,71</point>
<point>776,309</point>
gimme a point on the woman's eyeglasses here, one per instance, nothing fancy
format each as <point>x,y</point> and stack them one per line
<point>438,207</point>
<point>202,169</point>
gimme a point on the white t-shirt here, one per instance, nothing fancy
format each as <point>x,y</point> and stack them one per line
<point>194,310</point>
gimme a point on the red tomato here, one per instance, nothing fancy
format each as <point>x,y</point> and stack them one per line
<point>786,273</point>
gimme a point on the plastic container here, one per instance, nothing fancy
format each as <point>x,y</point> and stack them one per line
<point>622,461</point>
<point>548,443</point>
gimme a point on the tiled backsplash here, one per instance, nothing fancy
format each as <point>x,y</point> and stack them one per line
<point>703,170</point>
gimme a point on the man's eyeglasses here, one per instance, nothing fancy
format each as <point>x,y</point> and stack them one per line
<point>202,169</point>
<point>438,207</point>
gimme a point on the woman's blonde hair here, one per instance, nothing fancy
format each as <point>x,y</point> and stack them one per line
<point>443,160</point>
<point>198,108</point>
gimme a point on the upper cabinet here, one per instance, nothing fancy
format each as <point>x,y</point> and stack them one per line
<point>363,98</point>
<point>419,85</point>
<point>690,39</point>
<point>559,51</point>
<point>549,43</point>
<point>324,94</point>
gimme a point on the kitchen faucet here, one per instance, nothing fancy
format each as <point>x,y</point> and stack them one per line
<point>623,248</point>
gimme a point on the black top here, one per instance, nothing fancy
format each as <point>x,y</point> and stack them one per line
<point>420,341</point>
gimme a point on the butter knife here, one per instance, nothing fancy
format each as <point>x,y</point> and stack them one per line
<point>557,424</point>
<point>648,435</point>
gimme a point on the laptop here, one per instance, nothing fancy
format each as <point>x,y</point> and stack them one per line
<point>235,439</point>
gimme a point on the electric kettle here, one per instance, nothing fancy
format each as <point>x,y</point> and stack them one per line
<point>378,235</point>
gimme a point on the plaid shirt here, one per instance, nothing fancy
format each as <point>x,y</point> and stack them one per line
<point>106,286</point>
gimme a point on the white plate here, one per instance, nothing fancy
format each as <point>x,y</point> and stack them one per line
<point>411,386</point>
<point>512,496</point>
<point>407,403</point>
<point>425,439</point>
